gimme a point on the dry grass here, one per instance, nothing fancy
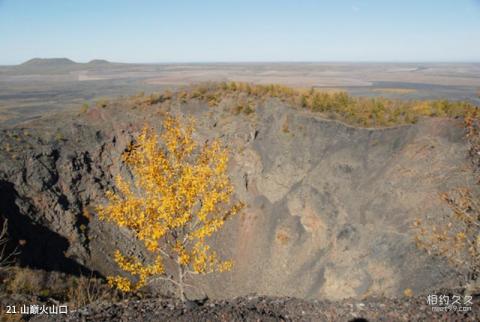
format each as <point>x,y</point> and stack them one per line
<point>4,317</point>
<point>6,257</point>
<point>285,127</point>
<point>246,107</point>
<point>283,238</point>
<point>457,237</point>
<point>72,290</point>
<point>84,108</point>
<point>472,125</point>
<point>23,281</point>
<point>359,111</point>
<point>102,103</point>
<point>86,290</point>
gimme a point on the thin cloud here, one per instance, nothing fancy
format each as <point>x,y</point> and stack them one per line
<point>355,8</point>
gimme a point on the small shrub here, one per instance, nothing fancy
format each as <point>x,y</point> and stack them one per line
<point>472,125</point>
<point>238,109</point>
<point>84,108</point>
<point>182,96</point>
<point>304,102</point>
<point>457,237</point>
<point>59,136</point>
<point>408,292</point>
<point>75,291</point>
<point>23,281</point>
<point>167,95</point>
<point>155,98</point>
<point>6,257</point>
<point>213,99</point>
<point>102,103</point>
<point>283,238</point>
<point>285,128</point>
<point>249,109</point>
<point>87,290</point>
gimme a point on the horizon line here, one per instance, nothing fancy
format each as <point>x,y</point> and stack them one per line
<point>262,61</point>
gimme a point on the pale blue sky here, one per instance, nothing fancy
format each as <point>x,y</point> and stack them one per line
<point>233,30</point>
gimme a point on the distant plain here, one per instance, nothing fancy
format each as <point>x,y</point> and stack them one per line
<point>41,86</point>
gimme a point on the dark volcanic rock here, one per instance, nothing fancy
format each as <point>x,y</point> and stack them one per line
<point>252,308</point>
<point>329,206</point>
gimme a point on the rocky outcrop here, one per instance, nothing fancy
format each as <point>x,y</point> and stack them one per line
<point>329,206</point>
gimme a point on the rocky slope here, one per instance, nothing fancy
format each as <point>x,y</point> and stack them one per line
<point>329,206</point>
<point>254,308</point>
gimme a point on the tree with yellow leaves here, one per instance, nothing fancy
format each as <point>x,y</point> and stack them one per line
<point>180,196</point>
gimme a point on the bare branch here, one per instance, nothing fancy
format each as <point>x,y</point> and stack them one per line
<point>192,272</point>
<point>169,279</point>
<point>6,258</point>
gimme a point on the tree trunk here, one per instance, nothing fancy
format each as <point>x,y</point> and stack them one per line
<point>181,288</point>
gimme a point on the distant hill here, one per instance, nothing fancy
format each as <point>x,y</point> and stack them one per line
<point>56,62</point>
<point>99,62</point>
<point>46,66</point>
<point>48,62</point>
<point>55,66</point>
